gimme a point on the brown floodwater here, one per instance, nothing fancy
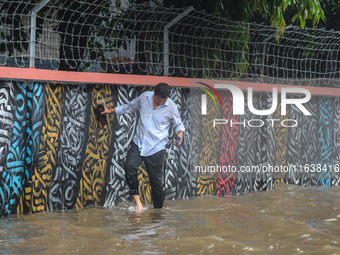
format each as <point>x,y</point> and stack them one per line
<point>288,220</point>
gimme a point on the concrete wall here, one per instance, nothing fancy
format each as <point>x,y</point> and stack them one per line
<point>54,156</point>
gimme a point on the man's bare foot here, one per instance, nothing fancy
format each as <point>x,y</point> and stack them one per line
<point>139,205</point>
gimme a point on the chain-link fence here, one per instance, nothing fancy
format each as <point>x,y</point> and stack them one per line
<point>100,36</point>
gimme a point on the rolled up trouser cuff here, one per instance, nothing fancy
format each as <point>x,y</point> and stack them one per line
<point>134,192</point>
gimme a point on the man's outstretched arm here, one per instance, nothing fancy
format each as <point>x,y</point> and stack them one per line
<point>126,108</point>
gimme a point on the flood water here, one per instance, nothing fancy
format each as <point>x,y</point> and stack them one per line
<point>288,220</point>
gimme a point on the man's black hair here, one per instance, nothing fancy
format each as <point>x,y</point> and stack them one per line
<point>162,90</point>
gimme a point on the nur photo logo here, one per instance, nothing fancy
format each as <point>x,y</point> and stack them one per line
<point>239,104</point>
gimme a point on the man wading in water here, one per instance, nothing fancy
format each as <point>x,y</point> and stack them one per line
<point>157,112</point>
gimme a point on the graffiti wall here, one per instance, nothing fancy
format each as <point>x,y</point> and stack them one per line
<point>54,155</point>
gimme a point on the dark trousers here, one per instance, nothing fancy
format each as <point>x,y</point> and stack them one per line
<point>154,165</point>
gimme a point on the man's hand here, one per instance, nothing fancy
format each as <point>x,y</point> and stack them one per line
<point>179,137</point>
<point>107,110</point>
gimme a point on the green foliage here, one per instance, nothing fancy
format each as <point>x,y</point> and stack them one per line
<point>277,13</point>
<point>273,11</point>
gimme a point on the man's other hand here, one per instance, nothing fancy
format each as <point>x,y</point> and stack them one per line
<point>179,138</point>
